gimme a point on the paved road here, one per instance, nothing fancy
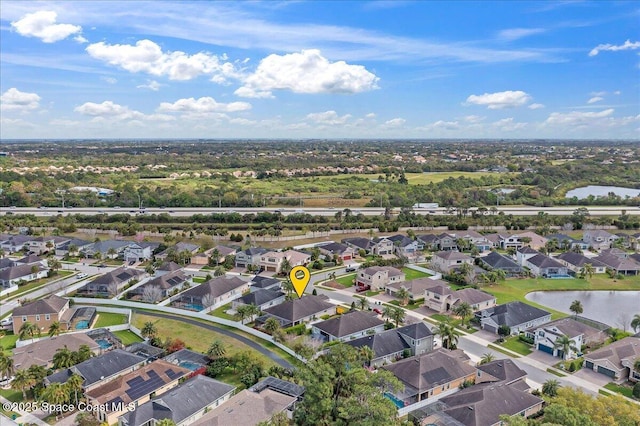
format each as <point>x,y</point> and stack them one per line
<point>273,356</point>
<point>318,211</point>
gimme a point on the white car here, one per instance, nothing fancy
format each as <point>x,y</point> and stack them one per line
<point>83,275</point>
<point>7,321</point>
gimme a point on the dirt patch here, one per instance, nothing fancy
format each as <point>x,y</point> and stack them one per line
<point>334,284</point>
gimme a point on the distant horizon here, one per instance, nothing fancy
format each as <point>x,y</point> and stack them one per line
<point>295,70</point>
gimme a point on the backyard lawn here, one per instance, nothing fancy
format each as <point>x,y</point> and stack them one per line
<point>106,319</point>
<point>412,274</point>
<point>127,337</point>
<point>220,312</point>
<point>516,289</point>
<point>8,342</point>
<point>346,280</point>
<point>196,338</point>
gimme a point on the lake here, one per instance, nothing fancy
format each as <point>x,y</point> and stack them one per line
<point>603,191</point>
<point>610,307</point>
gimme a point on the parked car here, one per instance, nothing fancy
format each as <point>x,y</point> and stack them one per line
<point>377,311</point>
<point>362,288</point>
<point>82,275</point>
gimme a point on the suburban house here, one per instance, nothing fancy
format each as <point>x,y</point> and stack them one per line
<point>263,299</point>
<point>14,275</point>
<point>497,261</point>
<point>518,316</point>
<point>446,261</point>
<point>136,387</point>
<point>620,265</point>
<point>161,286</point>
<point>378,277</point>
<point>272,261</point>
<point>532,239</point>
<point>427,242</point>
<point>359,244</point>
<point>416,288</point>
<point>343,251</point>
<point>506,241</point>
<point>203,258</point>
<point>256,405</point>
<point>179,248</point>
<point>392,345</point>
<point>195,361</point>
<point>183,405</point>
<point>112,283</point>
<point>348,326</point>
<point>15,243</point>
<point>440,298</point>
<point>431,374</point>
<point>382,246</point>
<point>167,267</point>
<point>447,242</point>
<point>250,256</point>
<point>474,238</point>
<point>525,253</point>
<point>107,249</point>
<point>599,239</point>
<point>71,247</point>
<point>42,313</point>
<point>616,360</point>
<point>212,294</point>
<point>265,283</point>
<point>40,245</point>
<point>565,242</point>
<point>143,349</point>
<point>575,262</point>
<point>405,246</point>
<point>41,352</point>
<point>138,252</point>
<point>298,311</point>
<point>99,370</point>
<point>580,334</point>
<point>545,266</point>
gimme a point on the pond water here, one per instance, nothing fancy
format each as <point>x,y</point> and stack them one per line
<point>613,308</point>
<point>603,191</point>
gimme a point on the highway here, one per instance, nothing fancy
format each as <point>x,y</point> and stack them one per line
<point>318,211</point>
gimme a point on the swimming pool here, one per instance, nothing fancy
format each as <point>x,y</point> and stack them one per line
<point>104,344</point>
<point>193,307</point>
<point>82,325</point>
<point>395,400</point>
<point>559,276</point>
<point>190,365</point>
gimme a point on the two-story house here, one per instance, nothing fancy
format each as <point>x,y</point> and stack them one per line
<point>405,246</point>
<point>518,316</point>
<point>446,261</point>
<point>42,313</point>
<point>377,277</point>
<point>599,239</point>
<point>579,334</point>
<point>250,256</point>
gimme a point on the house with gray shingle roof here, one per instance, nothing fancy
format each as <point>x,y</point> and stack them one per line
<point>495,260</point>
<point>578,332</point>
<point>545,266</point>
<point>212,294</point>
<point>263,299</point>
<point>189,401</point>
<point>165,285</point>
<point>13,275</point>
<point>575,262</point>
<point>599,239</point>
<point>621,265</point>
<point>446,261</point>
<point>111,283</point>
<point>616,360</point>
<point>298,311</point>
<point>250,256</point>
<point>348,326</point>
<point>516,315</point>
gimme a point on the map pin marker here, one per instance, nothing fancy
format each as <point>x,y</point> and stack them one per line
<point>299,277</point>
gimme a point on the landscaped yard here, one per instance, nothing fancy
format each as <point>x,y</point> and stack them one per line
<point>220,312</point>
<point>412,274</point>
<point>516,289</point>
<point>127,337</point>
<point>196,338</point>
<point>199,280</point>
<point>346,280</point>
<point>411,306</point>
<point>8,342</point>
<point>516,345</point>
<point>622,390</point>
<point>106,319</point>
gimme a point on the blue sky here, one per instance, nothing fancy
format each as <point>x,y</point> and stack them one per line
<point>315,69</point>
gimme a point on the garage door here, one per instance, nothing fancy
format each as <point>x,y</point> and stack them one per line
<point>347,257</point>
<point>490,328</point>
<point>588,365</point>
<point>606,372</point>
<point>545,348</point>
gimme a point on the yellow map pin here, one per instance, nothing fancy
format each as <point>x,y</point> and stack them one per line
<point>299,277</point>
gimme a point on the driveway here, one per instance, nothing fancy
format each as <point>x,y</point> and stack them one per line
<point>593,377</point>
<point>544,358</point>
<point>273,356</point>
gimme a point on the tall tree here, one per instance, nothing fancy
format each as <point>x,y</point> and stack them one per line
<point>54,329</point>
<point>6,366</point>
<point>403,294</point>
<point>216,349</point>
<point>635,322</point>
<point>448,335</point>
<point>565,344</point>
<point>550,387</point>
<point>22,381</point>
<point>271,325</point>
<point>149,330</point>
<point>28,330</point>
<point>464,311</point>
<point>74,384</point>
<point>362,303</point>
<point>56,394</point>
<point>63,358</point>
<point>576,307</point>
<point>397,315</point>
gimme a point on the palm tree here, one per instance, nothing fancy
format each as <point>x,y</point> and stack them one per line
<point>387,311</point>
<point>576,307</point>
<point>215,256</point>
<point>56,394</point>
<point>54,329</point>
<point>63,358</point>
<point>565,344</point>
<point>6,366</point>
<point>588,269</point>
<point>149,330</point>
<point>216,349</point>
<point>287,286</point>
<point>54,264</point>
<point>242,312</point>
<point>366,354</point>
<point>219,271</point>
<point>362,303</point>
<point>83,354</point>
<point>285,266</point>
<point>111,252</point>
<point>397,315</point>
<point>28,329</point>
<point>74,383</point>
<point>550,387</point>
<point>635,322</point>
<point>463,310</point>
<point>22,381</point>
<point>448,334</point>
<point>271,325</point>
<point>487,357</point>
<point>403,294</point>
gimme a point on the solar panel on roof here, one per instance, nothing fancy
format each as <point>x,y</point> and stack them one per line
<point>135,381</point>
<point>172,374</point>
<point>146,387</point>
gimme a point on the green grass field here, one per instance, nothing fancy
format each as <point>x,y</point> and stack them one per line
<point>514,344</point>
<point>346,280</point>
<point>8,342</point>
<point>622,390</point>
<point>412,274</point>
<point>106,319</point>
<point>220,312</point>
<point>127,337</point>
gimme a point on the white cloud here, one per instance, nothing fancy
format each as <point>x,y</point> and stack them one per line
<point>473,119</point>
<point>508,125</point>
<point>202,105</point>
<point>107,110</point>
<point>328,118</point>
<point>394,123</point>
<point>15,100</point>
<point>147,56</point>
<point>627,45</point>
<point>110,80</point>
<point>151,85</point>
<point>517,33</point>
<point>617,92</point>
<point>595,99</point>
<point>80,39</point>
<point>602,93</point>
<point>370,115</point>
<point>500,100</point>
<point>42,24</point>
<point>306,72</point>
<point>442,125</point>
<point>577,118</point>
<point>536,106</point>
